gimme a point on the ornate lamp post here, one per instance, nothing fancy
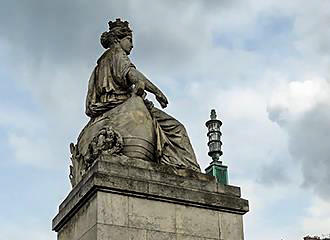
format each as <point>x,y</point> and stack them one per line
<point>216,168</point>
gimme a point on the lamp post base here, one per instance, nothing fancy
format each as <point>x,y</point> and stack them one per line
<point>219,171</point>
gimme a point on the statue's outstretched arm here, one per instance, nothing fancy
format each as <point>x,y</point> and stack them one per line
<point>142,83</point>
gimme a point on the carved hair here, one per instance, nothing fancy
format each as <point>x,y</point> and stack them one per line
<point>117,31</point>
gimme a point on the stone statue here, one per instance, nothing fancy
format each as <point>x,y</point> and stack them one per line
<point>123,122</point>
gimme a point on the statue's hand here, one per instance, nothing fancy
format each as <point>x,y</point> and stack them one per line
<point>162,99</point>
<point>139,88</point>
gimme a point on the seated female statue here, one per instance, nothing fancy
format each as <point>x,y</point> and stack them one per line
<point>116,103</point>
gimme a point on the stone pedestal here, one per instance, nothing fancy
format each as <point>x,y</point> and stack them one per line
<point>130,199</point>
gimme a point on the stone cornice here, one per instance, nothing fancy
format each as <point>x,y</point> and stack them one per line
<point>138,178</point>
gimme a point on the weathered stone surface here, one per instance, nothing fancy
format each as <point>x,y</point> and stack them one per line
<point>117,174</point>
<point>82,221</point>
<point>122,198</point>
<point>156,235</point>
<point>113,232</point>
<point>91,234</point>
<point>152,215</point>
<point>190,237</point>
<point>228,223</point>
<point>197,222</point>
<point>112,209</point>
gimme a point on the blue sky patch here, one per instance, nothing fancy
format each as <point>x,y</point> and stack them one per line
<point>272,34</point>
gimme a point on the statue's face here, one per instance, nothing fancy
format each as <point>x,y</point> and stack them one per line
<point>127,44</point>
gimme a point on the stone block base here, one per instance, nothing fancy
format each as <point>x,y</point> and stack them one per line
<point>126,199</point>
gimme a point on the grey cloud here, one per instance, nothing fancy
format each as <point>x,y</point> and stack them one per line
<point>309,146</point>
<point>62,31</point>
<point>278,114</point>
<point>66,31</point>
<point>274,173</point>
<point>313,29</point>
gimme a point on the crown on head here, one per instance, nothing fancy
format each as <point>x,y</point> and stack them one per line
<point>117,23</point>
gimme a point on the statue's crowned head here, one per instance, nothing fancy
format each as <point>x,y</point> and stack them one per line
<point>117,31</point>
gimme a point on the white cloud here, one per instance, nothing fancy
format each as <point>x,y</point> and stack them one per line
<point>34,151</point>
<point>297,97</point>
<point>32,138</point>
<point>317,219</point>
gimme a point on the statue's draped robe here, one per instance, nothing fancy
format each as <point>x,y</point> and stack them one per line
<point>109,87</point>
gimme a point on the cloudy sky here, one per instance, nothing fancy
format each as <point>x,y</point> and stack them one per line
<point>263,65</point>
